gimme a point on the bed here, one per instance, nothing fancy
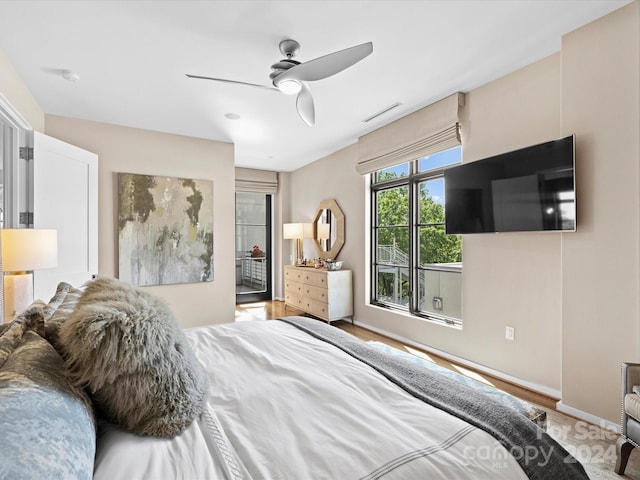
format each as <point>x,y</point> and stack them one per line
<point>292,398</point>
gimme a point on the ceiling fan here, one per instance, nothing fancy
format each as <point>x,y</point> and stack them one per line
<point>290,76</point>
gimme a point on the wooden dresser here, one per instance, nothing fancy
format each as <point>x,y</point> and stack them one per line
<point>323,294</point>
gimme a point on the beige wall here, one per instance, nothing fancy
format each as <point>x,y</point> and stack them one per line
<point>573,298</point>
<point>123,149</point>
<point>509,279</point>
<point>140,151</point>
<point>19,96</point>
<point>513,278</point>
<point>333,177</point>
<point>600,263</point>
<point>281,249</point>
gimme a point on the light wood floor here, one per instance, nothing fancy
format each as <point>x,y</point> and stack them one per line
<point>273,309</point>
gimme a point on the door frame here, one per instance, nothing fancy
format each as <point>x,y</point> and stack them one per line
<point>242,298</point>
<point>17,133</point>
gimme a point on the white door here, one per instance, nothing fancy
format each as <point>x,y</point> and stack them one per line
<point>65,197</point>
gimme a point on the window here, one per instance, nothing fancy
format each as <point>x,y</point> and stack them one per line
<point>417,267</point>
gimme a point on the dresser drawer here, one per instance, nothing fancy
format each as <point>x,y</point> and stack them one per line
<point>313,292</point>
<point>293,299</point>
<point>314,307</point>
<point>292,287</point>
<point>294,273</point>
<point>319,309</point>
<point>314,277</point>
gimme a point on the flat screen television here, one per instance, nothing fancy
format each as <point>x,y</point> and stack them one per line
<point>526,190</point>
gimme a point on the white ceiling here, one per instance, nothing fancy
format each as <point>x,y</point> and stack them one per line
<point>132,56</point>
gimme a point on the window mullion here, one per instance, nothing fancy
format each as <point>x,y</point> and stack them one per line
<point>413,243</point>
<point>374,244</point>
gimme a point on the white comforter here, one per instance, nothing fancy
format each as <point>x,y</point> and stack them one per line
<point>284,405</point>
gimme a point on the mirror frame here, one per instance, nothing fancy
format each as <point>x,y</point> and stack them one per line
<point>338,243</point>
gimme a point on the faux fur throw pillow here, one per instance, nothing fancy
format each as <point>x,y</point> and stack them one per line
<point>125,346</point>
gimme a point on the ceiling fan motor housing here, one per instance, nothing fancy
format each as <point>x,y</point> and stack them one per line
<point>289,48</point>
<point>281,67</point>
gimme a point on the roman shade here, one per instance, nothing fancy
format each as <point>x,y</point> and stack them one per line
<point>256,181</point>
<point>429,130</point>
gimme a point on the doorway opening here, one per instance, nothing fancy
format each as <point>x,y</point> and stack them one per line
<point>253,247</point>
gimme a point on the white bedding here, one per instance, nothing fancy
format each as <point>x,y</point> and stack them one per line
<point>284,405</point>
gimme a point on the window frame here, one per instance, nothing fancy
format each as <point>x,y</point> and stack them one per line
<point>412,181</point>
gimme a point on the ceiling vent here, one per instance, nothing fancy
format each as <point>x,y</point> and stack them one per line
<point>382,112</point>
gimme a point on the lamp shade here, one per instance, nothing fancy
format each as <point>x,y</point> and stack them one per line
<point>292,230</point>
<point>297,230</point>
<point>307,230</point>
<point>25,249</point>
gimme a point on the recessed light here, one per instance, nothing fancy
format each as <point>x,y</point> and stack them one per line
<point>232,116</point>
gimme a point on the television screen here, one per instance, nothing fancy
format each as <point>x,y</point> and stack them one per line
<point>531,189</point>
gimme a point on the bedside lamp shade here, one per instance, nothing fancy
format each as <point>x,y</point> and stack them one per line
<point>28,249</point>
<point>24,250</point>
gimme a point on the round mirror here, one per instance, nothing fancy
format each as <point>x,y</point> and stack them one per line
<point>328,226</point>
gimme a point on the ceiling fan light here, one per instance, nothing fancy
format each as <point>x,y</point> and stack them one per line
<point>289,87</point>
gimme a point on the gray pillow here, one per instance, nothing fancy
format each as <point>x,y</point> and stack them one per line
<point>47,423</point>
<point>125,346</point>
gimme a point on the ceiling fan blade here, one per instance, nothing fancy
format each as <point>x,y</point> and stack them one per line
<point>323,67</point>
<point>304,104</point>
<point>230,81</point>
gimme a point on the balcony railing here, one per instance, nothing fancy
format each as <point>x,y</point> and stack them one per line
<point>252,273</point>
<point>392,254</point>
<point>439,284</point>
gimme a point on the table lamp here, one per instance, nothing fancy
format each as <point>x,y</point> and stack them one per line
<point>297,232</point>
<point>24,250</point>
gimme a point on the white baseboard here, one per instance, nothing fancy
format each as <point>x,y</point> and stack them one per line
<point>574,412</point>
<point>561,407</point>
<point>543,389</point>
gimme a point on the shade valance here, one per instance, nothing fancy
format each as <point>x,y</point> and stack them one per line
<point>256,181</point>
<point>429,130</point>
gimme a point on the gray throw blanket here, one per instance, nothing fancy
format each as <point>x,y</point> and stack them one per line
<point>539,455</point>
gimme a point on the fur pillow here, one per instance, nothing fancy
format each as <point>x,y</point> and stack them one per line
<point>125,346</point>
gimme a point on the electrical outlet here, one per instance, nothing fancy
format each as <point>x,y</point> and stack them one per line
<point>509,333</point>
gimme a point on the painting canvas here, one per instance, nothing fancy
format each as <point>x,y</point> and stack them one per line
<point>165,229</point>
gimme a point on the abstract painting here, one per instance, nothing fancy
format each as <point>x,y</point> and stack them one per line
<point>165,229</point>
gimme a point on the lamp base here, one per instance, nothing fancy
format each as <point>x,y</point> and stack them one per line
<point>18,294</point>
<point>299,252</point>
